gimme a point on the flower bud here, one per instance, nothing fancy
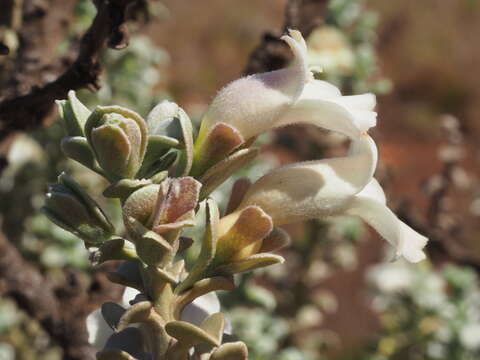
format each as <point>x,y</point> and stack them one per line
<point>169,127</point>
<point>161,120</point>
<point>118,137</point>
<point>163,207</point>
<point>73,113</point>
<point>68,206</point>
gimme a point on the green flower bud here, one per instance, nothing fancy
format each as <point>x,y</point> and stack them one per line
<point>73,113</point>
<point>68,206</point>
<point>118,137</point>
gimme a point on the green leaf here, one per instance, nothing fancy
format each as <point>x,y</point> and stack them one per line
<point>250,263</point>
<point>122,189</point>
<point>231,351</point>
<point>219,143</point>
<point>112,312</point>
<point>187,333</point>
<point>157,147</point>
<point>185,162</point>
<point>217,174</point>
<point>115,249</point>
<point>128,274</point>
<point>207,251</point>
<point>214,325</point>
<point>77,148</point>
<point>142,312</point>
<point>74,114</point>
<point>152,248</point>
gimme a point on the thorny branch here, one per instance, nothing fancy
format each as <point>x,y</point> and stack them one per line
<point>60,311</point>
<point>30,111</point>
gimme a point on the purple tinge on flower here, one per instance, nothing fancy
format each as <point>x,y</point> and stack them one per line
<point>177,199</point>
<point>323,105</point>
<point>252,104</point>
<point>257,103</point>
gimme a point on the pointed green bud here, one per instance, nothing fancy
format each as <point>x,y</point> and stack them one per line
<point>140,206</point>
<point>161,120</point>
<point>169,125</point>
<point>70,207</point>
<point>74,114</point>
<point>240,234</point>
<point>219,143</point>
<point>118,137</point>
<point>77,148</point>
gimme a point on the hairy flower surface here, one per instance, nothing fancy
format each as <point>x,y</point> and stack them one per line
<point>332,187</point>
<point>345,185</point>
<point>257,103</point>
<point>160,175</point>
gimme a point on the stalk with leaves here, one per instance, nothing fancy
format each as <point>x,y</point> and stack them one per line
<point>161,172</point>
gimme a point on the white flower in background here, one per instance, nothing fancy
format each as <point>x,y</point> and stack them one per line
<point>329,49</point>
<point>469,336</point>
<point>391,278</point>
<point>329,187</point>
<point>429,292</point>
<point>197,311</point>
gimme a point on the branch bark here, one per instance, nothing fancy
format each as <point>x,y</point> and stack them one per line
<point>272,53</point>
<point>60,311</point>
<point>30,111</point>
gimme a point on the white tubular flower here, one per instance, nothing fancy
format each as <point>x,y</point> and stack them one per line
<point>323,105</point>
<point>252,104</point>
<point>334,187</point>
<point>255,104</point>
<point>370,205</point>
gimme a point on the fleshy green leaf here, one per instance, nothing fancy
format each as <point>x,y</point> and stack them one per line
<point>231,351</point>
<point>207,251</point>
<point>217,174</point>
<point>190,334</point>
<point>250,263</point>
<point>77,148</point>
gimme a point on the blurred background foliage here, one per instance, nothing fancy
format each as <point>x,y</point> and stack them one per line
<point>337,296</point>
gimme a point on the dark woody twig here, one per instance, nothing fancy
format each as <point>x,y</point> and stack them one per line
<point>30,111</point>
<point>272,53</point>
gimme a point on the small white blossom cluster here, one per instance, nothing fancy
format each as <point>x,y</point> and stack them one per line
<point>418,304</point>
